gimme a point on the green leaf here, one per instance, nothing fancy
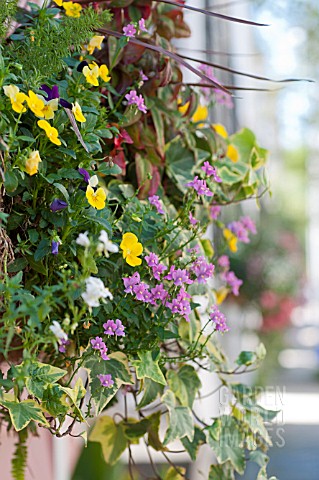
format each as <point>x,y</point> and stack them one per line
<point>151,390</point>
<point>208,247</point>
<point>63,190</point>
<point>52,401</point>
<point>75,394</point>
<point>10,181</point>
<point>18,265</point>
<point>42,250</point>
<point>180,162</point>
<point>147,366</point>
<point>25,138</point>
<point>117,366</point>
<point>21,413</point>
<point>153,432</point>
<point>192,447</point>
<point>37,266</point>
<point>111,436</point>
<point>134,429</point>
<point>184,384</point>
<point>226,447</point>
<point>175,473</point>
<point>246,358</point>
<point>181,421</point>
<point>107,170</point>
<point>40,375</point>
<point>221,472</point>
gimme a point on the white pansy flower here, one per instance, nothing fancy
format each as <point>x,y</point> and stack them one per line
<point>83,240</point>
<point>93,182</point>
<point>106,245</point>
<point>57,330</point>
<point>95,290</point>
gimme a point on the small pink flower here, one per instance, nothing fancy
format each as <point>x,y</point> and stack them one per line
<point>141,25</point>
<point>129,30</point>
<point>192,219</point>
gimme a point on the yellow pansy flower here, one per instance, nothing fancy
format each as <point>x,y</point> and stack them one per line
<point>32,163</point>
<point>51,132</point>
<point>17,98</point>
<point>231,239</point>
<point>58,2</point>
<point>104,73</point>
<point>132,248</point>
<point>91,74</point>
<point>77,112</point>
<point>49,108</point>
<point>200,114</point>
<point>35,104</point>
<point>220,130</point>
<point>72,9</point>
<point>94,43</point>
<point>96,199</point>
<point>232,153</point>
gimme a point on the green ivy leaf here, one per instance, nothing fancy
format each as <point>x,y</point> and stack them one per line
<point>52,401</point>
<point>10,181</point>
<point>147,366</point>
<point>134,429</point>
<point>112,438</point>
<point>22,413</point>
<point>181,421</point>
<point>218,472</point>
<point>184,384</point>
<point>151,389</point>
<point>39,376</point>
<point>117,366</point>
<point>246,358</point>
<point>192,447</point>
<point>227,448</point>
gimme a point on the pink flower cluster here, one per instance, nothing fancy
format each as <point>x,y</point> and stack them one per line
<point>200,186</point>
<point>178,303</point>
<point>98,344</point>
<point>155,200</point>
<point>242,227</point>
<point>138,100</point>
<point>114,328</point>
<point>228,276</point>
<point>130,29</point>
<point>211,171</point>
<point>218,319</point>
<point>215,212</point>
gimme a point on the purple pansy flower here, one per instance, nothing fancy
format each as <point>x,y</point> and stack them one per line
<point>52,93</point>
<point>55,247</point>
<point>85,174</point>
<point>58,205</point>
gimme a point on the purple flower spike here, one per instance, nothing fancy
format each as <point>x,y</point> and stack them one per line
<point>58,205</point>
<point>55,247</point>
<point>85,174</point>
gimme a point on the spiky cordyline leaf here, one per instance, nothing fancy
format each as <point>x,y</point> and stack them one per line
<point>250,75</point>
<point>167,53</point>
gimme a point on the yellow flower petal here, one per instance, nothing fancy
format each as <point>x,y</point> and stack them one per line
<point>220,130</point>
<point>32,163</point>
<point>51,132</point>
<point>104,73</point>
<point>96,199</point>
<point>58,2</point>
<point>72,9</point>
<point>231,239</point>
<point>11,91</point>
<point>133,261</point>
<point>200,114</point>
<point>221,295</point>
<point>232,153</point>
<point>91,76</point>
<point>77,112</point>
<point>94,43</point>
<point>35,104</point>
<point>183,108</point>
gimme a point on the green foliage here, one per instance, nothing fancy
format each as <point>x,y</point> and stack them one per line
<point>7,11</point>
<point>19,459</point>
